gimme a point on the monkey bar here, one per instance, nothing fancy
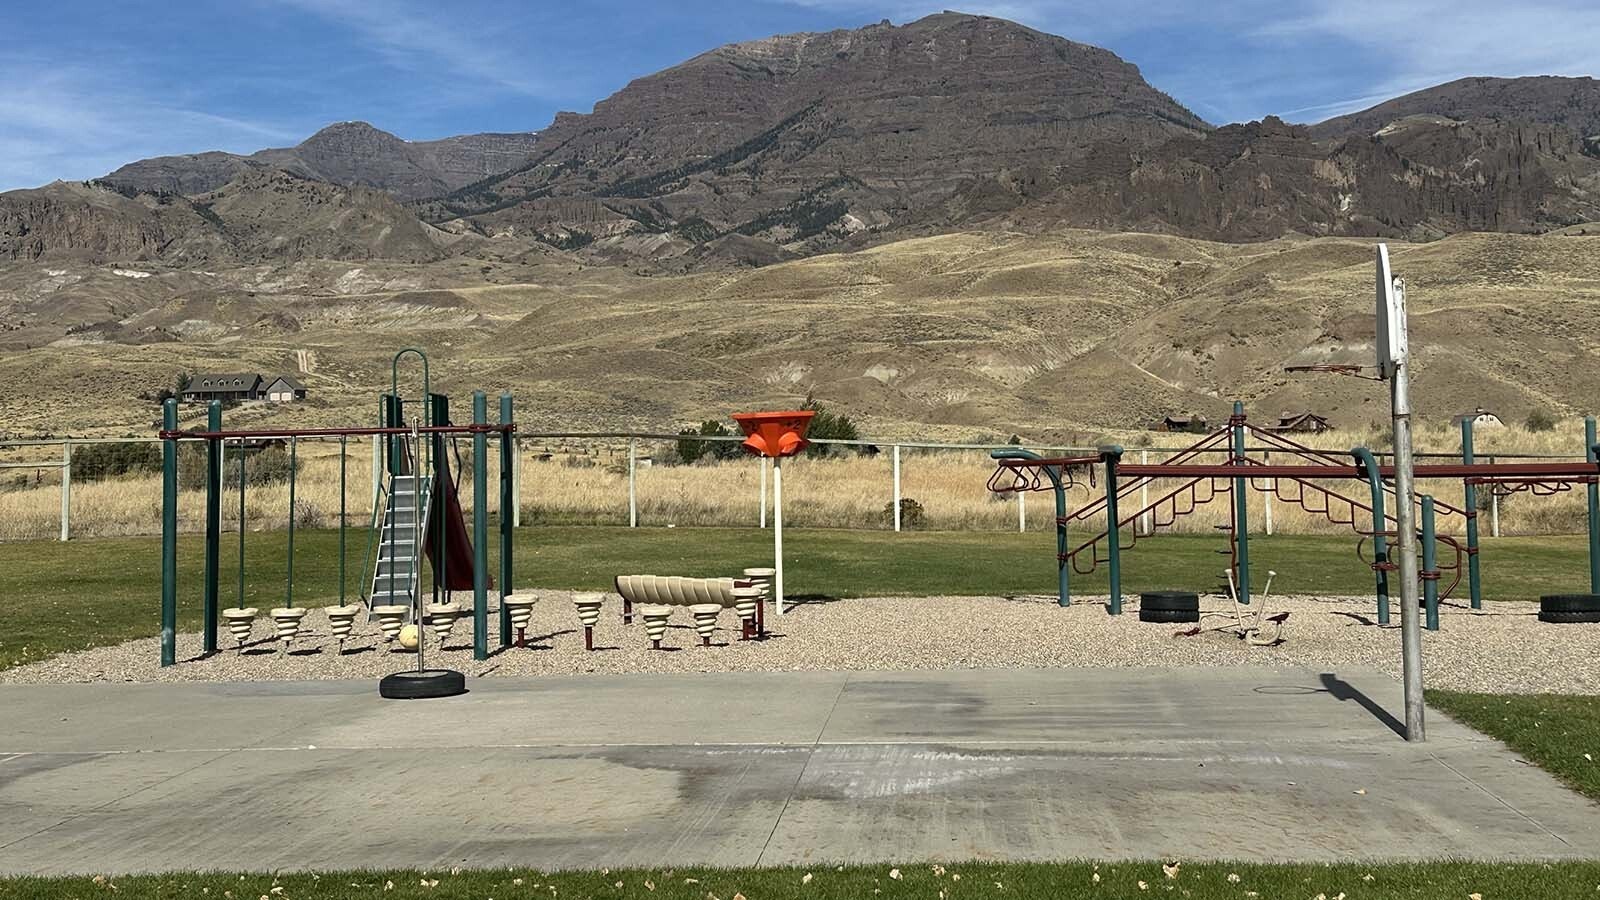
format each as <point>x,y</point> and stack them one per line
<point>1203,483</point>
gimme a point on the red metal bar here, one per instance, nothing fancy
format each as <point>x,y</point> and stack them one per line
<point>1545,471</point>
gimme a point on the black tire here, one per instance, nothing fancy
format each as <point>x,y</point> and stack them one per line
<point>1570,603</point>
<point>427,684</point>
<point>1169,615</point>
<point>1176,601</point>
<point>1570,618</point>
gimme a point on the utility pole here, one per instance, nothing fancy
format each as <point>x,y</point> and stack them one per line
<point>1394,360</point>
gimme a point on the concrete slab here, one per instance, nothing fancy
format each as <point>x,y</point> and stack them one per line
<point>760,769</point>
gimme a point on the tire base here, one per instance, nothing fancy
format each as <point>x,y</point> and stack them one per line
<point>424,685</point>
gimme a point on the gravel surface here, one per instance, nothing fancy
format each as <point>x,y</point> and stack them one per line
<point>1503,650</point>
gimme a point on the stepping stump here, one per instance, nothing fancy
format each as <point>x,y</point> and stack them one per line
<point>342,620</point>
<point>588,606</point>
<point>390,619</point>
<point>240,622</point>
<point>441,617</point>
<point>655,617</point>
<point>745,602</point>
<point>705,620</point>
<point>761,578</point>
<point>287,620</point>
<point>519,609</point>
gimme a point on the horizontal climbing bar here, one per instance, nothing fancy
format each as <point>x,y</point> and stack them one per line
<point>485,428</point>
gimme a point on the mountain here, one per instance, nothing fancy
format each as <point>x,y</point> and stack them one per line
<point>265,214</point>
<point>1572,103</point>
<point>347,153</point>
<point>803,140</point>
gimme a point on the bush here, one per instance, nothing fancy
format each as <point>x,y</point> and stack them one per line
<point>690,450</point>
<point>1541,420</point>
<point>95,462</point>
<point>912,515</point>
<point>829,425</point>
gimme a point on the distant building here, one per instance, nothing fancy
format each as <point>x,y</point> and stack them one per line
<point>205,388</point>
<point>1300,423</point>
<point>284,389</point>
<point>1191,423</point>
<point>1481,418</point>
<point>241,387</point>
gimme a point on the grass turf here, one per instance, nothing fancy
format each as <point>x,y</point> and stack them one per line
<point>992,881</point>
<point>101,591</point>
<point>1556,732</point>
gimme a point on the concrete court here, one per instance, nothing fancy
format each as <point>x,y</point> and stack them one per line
<point>747,769</point>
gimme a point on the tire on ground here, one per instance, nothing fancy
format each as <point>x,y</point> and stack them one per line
<point>1569,603</point>
<point>422,685</point>
<point>1168,615</point>
<point>1169,606</point>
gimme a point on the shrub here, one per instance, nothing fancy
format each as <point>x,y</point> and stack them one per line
<point>690,450</point>
<point>1541,420</point>
<point>95,462</point>
<point>912,515</point>
<point>829,425</point>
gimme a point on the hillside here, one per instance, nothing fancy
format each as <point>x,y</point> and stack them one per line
<point>345,153</point>
<point>1052,336</point>
<point>1571,103</point>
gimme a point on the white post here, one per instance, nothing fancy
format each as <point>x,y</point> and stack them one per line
<point>633,483</point>
<point>777,532</point>
<point>516,482</point>
<point>896,487</point>
<point>1022,511</point>
<point>66,490</point>
<point>763,520</point>
<point>1146,520</point>
<point>377,467</point>
<point>1266,497</point>
<point>1494,508</point>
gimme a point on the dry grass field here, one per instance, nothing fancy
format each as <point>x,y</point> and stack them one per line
<point>585,482</point>
<point>1060,337</point>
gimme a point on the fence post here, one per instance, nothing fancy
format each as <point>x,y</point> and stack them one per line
<point>1266,498</point>
<point>763,463</point>
<point>1146,523</point>
<point>1494,508</point>
<point>377,464</point>
<point>516,482</point>
<point>633,482</point>
<point>1022,511</point>
<point>66,490</point>
<point>896,487</point>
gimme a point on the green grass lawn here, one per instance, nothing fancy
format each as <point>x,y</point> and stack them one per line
<point>1556,732</point>
<point>100,591</point>
<point>1048,881</point>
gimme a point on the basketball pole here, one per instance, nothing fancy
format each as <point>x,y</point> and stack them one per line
<point>1395,357</point>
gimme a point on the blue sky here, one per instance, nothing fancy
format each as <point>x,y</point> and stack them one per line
<point>91,84</point>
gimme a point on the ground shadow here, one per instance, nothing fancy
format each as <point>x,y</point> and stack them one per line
<point>1359,618</point>
<point>1343,690</point>
<point>790,600</point>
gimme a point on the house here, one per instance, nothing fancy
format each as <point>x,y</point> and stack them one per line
<point>1480,418</point>
<point>1193,423</point>
<point>284,389</point>
<point>205,388</point>
<point>1300,423</point>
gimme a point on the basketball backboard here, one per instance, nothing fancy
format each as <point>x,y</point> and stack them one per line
<point>1391,315</point>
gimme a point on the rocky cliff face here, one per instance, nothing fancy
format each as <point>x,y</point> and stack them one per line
<point>348,153</point>
<point>1572,103</point>
<point>806,139</point>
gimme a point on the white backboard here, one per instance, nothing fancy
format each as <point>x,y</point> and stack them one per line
<point>1391,315</point>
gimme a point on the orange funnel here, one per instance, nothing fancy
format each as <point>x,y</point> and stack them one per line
<point>775,434</point>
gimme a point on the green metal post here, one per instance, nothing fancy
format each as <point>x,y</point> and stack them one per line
<point>294,472</point>
<point>439,415</point>
<point>169,533</point>
<point>1380,545</point>
<point>1241,506</point>
<point>1113,455</point>
<point>343,444</point>
<point>507,514</point>
<point>1592,454</point>
<point>1063,587</point>
<point>241,456</point>
<point>1430,565</point>
<point>213,525</point>
<point>480,529</point>
<point>1474,577</point>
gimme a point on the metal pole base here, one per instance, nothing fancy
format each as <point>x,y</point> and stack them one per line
<point>588,638</point>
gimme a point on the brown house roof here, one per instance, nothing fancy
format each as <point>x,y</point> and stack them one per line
<point>223,383</point>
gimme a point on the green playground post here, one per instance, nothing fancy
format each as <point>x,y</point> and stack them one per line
<point>1113,455</point>
<point>1241,506</point>
<point>1063,588</point>
<point>1474,577</point>
<point>169,533</point>
<point>1430,565</point>
<point>507,516</point>
<point>480,529</point>
<point>1380,544</point>
<point>213,525</point>
<point>1592,454</point>
<point>294,471</point>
